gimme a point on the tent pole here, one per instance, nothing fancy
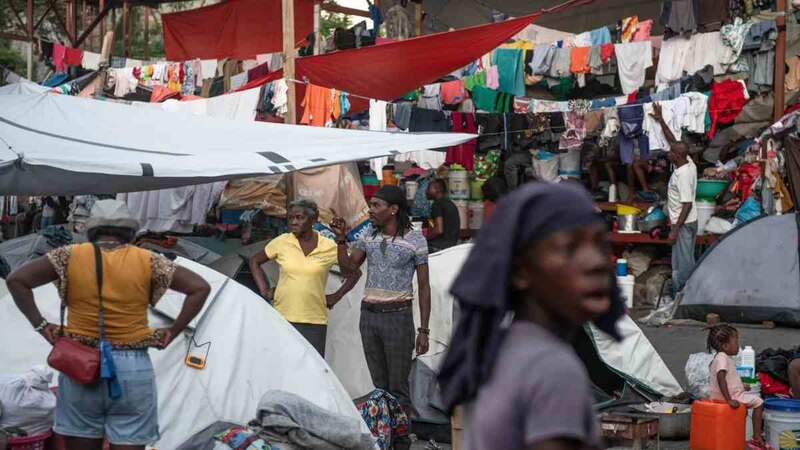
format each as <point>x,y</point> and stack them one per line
<point>29,30</point>
<point>418,18</point>
<point>146,32</point>
<point>780,63</point>
<point>289,56</point>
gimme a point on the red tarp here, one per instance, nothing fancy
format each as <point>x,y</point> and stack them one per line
<point>238,29</point>
<point>390,70</point>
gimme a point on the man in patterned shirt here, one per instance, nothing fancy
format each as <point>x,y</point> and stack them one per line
<point>394,252</point>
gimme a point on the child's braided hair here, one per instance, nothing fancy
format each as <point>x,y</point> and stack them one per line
<point>718,335</point>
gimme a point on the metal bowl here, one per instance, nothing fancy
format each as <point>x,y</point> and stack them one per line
<point>674,420</point>
<point>627,222</point>
<point>648,224</point>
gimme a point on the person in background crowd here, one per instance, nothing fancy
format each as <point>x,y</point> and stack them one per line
<point>540,269</point>
<point>53,211</point>
<point>132,280</point>
<point>681,194</point>
<point>445,224</point>
<point>394,253</point>
<point>305,258</point>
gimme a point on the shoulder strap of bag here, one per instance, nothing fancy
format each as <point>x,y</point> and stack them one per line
<point>98,263</point>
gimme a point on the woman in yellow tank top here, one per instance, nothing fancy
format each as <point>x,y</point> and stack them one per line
<point>133,279</point>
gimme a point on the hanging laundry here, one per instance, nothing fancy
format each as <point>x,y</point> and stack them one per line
<point>575,133</point>
<point>579,60</point>
<point>189,79</point>
<point>561,63</point>
<point>118,62</point>
<point>509,67</point>
<point>725,103</point>
<point>522,105</point>
<point>679,16</point>
<point>793,76</point>
<point>59,53</point>
<point>123,81</point>
<point>611,127</point>
<point>492,77</point>
<point>642,32</point>
<point>257,72</point>
<point>377,122</point>
<point>91,60</point>
<point>428,120</point>
<point>429,97</point>
<point>318,104</point>
<point>73,56</point>
<point>397,23</point>
<point>631,119</point>
<point>209,68</point>
<point>477,79</point>
<point>600,36</point>
<point>131,63</point>
<point>733,35</point>
<point>695,120</point>
<point>238,80</point>
<point>633,60</point>
<point>672,59</point>
<point>628,26</point>
<point>762,70</point>
<point>463,154</point>
<point>761,36</point>
<point>542,59</point>
<point>583,40</point>
<point>708,49</point>
<point>674,113</point>
<point>607,52</point>
<point>401,115</point>
<point>453,92</point>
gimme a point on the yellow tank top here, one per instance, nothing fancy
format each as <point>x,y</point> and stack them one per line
<point>127,284</point>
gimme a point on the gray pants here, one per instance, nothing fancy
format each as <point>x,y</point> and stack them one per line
<point>683,256</point>
<point>512,164</point>
<point>389,339</point>
<point>315,334</point>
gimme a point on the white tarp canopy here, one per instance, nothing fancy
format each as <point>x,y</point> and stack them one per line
<point>55,144</point>
<point>22,87</point>
<point>253,349</point>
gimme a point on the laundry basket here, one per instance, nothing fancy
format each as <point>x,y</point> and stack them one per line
<point>29,442</point>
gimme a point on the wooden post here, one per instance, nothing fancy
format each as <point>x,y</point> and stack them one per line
<point>29,30</point>
<point>418,19</point>
<point>289,56</point>
<point>83,18</point>
<point>146,32</point>
<point>317,28</point>
<point>74,20</point>
<point>105,56</point>
<point>99,44</point>
<point>112,28</point>
<point>779,87</point>
<point>124,30</point>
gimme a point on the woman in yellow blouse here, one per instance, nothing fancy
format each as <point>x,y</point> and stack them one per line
<point>124,408</point>
<point>305,257</point>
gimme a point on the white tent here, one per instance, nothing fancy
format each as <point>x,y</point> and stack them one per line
<point>22,87</point>
<point>253,349</point>
<point>55,144</point>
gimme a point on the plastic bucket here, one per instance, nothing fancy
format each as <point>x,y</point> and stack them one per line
<point>704,212</point>
<point>475,215</point>
<point>782,423</point>
<point>475,186</point>
<point>463,212</point>
<point>459,185</point>
<point>626,285</point>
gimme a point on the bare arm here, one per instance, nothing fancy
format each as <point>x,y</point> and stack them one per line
<point>723,387</point>
<point>437,230</point>
<point>256,261</point>
<point>196,290</point>
<point>349,263</point>
<point>21,284</point>
<point>349,282</point>
<point>424,285</point>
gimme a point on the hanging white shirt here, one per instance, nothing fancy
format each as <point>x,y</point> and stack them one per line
<point>695,119</point>
<point>672,59</point>
<point>633,59</point>
<point>708,49</point>
<point>377,122</point>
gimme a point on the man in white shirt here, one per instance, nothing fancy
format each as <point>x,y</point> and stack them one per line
<point>680,205</point>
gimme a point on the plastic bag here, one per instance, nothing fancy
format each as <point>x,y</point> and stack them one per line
<point>697,378</point>
<point>749,210</point>
<point>26,401</point>
<point>718,225</point>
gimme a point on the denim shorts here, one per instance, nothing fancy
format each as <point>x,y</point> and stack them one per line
<point>132,419</point>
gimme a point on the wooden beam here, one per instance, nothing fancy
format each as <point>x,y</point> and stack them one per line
<point>74,11</point>
<point>289,54</point>
<point>101,8</point>
<point>334,8</point>
<point>418,19</point>
<point>22,24</point>
<point>14,37</point>
<point>317,29</point>
<point>779,87</point>
<point>97,20</point>
<point>41,19</point>
<point>61,21</point>
<point>124,31</point>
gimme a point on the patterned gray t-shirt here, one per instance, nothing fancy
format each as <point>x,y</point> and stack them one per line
<point>391,262</point>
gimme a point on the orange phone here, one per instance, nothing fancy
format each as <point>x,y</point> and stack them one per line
<point>198,362</point>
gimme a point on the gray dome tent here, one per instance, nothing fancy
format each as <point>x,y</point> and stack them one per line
<point>751,275</point>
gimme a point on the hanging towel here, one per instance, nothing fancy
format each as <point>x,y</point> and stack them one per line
<point>509,66</point>
<point>628,26</point>
<point>633,60</point>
